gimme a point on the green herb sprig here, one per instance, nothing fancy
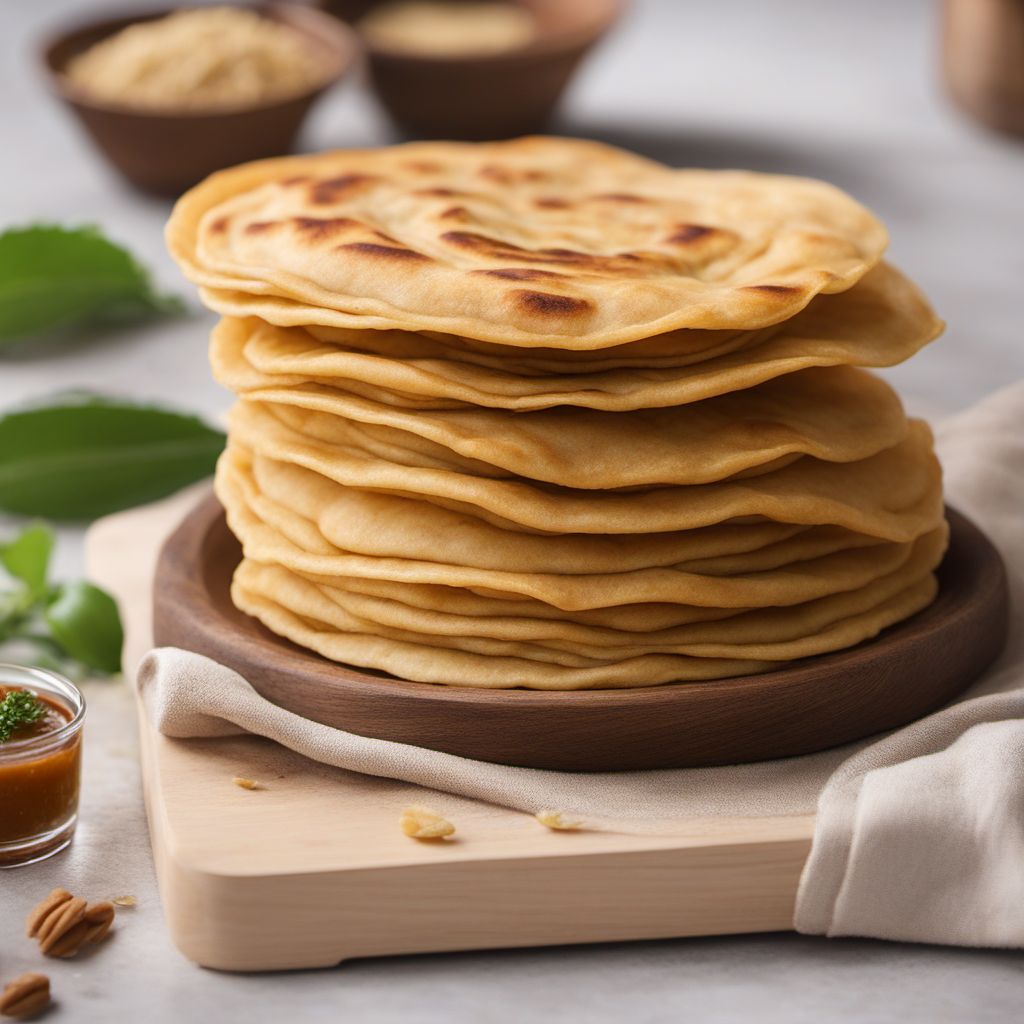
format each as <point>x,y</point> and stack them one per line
<point>17,709</point>
<point>69,626</point>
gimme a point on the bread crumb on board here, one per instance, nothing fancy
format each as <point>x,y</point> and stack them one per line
<point>424,823</point>
<point>557,821</point>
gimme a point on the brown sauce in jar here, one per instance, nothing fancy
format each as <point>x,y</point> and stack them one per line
<point>38,780</point>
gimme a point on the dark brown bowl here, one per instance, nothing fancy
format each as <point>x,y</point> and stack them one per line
<point>169,152</point>
<point>493,96</point>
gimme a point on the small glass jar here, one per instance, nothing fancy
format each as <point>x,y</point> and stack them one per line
<point>40,774</point>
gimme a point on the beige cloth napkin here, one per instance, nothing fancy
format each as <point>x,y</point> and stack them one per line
<point>919,836</point>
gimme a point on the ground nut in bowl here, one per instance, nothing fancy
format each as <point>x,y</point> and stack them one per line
<point>171,96</point>
<point>487,73</point>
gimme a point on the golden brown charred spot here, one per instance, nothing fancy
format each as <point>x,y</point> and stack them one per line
<point>318,228</point>
<point>492,172</point>
<point>552,203</point>
<point>423,166</point>
<point>548,304</point>
<point>330,190</point>
<point>494,248</point>
<point>621,197</point>
<point>391,252</point>
<point>473,242</point>
<point>436,193</point>
<point>220,225</point>
<point>509,175</point>
<point>687,234</point>
<point>521,274</point>
<point>497,249</point>
<point>572,256</point>
<point>295,179</point>
<point>773,289</point>
<point>488,246</point>
<point>454,213</point>
<point>261,227</point>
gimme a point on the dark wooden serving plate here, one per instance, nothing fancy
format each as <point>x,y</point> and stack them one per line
<point>908,671</point>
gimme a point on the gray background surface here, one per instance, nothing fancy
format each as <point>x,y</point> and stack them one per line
<point>847,92</point>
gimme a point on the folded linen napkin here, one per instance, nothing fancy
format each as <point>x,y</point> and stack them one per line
<point>919,835</point>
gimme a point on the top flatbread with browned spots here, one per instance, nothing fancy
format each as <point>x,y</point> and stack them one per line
<point>534,242</point>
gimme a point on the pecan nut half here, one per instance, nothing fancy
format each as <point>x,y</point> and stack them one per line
<point>63,923</point>
<point>26,996</point>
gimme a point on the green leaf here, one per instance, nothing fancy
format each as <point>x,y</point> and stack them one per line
<point>83,457</point>
<point>53,277</point>
<point>12,607</point>
<point>84,620</point>
<point>27,557</point>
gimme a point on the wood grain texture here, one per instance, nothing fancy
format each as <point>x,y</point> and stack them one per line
<point>314,869</point>
<point>908,671</point>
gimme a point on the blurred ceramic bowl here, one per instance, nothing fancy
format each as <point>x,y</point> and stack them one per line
<point>491,96</point>
<point>983,60</point>
<point>167,152</point>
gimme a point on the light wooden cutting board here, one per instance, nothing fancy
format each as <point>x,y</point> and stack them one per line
<point>314,869</point>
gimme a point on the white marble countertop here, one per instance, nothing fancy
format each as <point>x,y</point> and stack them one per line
<point>847,92</point>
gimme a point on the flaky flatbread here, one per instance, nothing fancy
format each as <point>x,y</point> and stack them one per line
<point>533,242</point>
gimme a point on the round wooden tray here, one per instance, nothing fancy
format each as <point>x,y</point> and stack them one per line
<point>909,670</point>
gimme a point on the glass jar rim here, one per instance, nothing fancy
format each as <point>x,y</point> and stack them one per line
<point>52,684</point>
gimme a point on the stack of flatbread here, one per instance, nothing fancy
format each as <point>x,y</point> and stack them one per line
<point>546,414</point>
